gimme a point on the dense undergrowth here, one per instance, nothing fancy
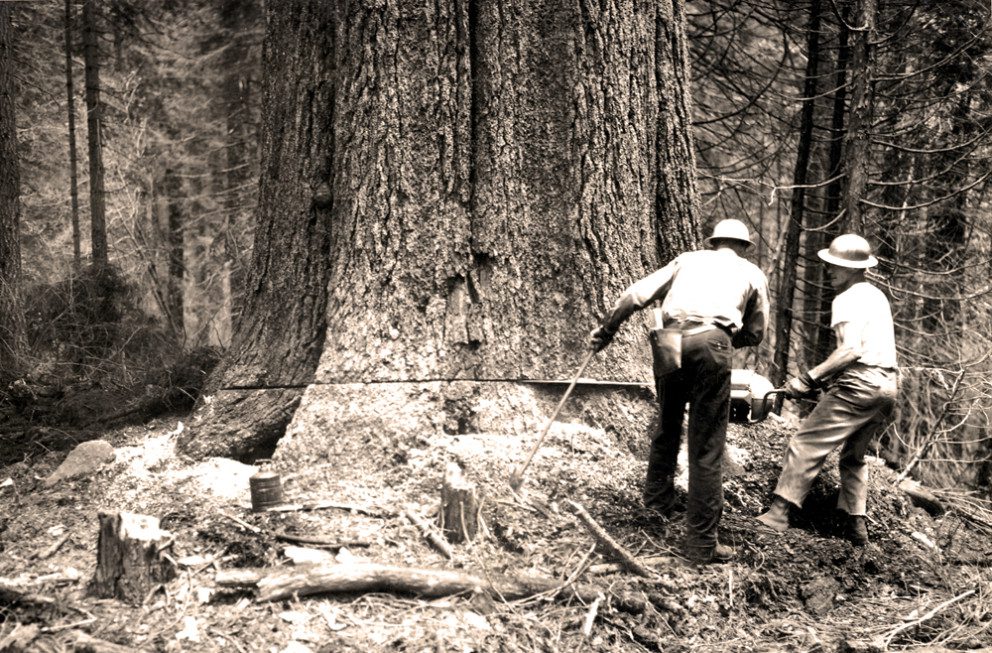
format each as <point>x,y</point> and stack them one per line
<point>93,358</point>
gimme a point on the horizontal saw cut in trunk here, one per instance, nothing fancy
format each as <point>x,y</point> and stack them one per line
<point>493,181</point>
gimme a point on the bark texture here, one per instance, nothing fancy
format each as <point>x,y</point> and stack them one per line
<point>94,120</point>
<point>11,315</point>
<point>492,173</point>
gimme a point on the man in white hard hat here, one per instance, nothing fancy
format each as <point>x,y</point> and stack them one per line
<point>712,300</point>
<point>860,377</point>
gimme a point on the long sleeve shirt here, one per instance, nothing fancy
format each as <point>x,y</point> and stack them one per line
<point>706,286</point>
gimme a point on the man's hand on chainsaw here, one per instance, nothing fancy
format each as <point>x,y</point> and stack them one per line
<point>796,388</point>
<point>599,339</point>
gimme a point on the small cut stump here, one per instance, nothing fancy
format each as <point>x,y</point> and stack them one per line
<point>130,557</point>
<point>460,516</point>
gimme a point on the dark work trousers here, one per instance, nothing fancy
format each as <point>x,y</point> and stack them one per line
<point>704,383</point>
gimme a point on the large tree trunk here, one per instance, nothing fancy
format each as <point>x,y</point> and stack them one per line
<point>492,175</point>
<point>94,120</point>
<point>785,297</point>
<point>11,315</point>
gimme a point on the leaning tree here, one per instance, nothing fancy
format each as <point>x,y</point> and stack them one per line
<point>451,193</point>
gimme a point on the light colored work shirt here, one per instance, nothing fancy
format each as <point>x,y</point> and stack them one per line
<point>706,286</point>
<point>862,319</point>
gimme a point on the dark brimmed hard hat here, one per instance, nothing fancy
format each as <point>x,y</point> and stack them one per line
<point>730,230</point>
<point>849,251</point>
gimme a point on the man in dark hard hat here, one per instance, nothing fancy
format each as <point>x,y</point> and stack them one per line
<point>712,300</point>
<point>860,381</point>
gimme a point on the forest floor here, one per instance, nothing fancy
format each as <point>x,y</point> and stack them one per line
<point>923,583</point>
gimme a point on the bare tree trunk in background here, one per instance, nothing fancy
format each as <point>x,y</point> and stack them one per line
<point>818,297</point>
<point>11,314</point>
<point>176,249</point>
<point>785,297</point>
<point>73,157</point>
<point>94,121</point>
<point>476,183</point>
<point>234,16</point>
<point>857,142</point>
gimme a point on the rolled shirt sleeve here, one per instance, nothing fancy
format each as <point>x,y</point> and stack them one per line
<point>754,319</point>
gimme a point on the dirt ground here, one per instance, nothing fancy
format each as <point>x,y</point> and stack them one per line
<point>923,582</point>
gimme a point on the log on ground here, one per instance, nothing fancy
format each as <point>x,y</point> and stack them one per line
<point>283,583</point>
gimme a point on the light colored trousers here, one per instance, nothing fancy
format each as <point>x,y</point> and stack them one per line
<point>857,407</point>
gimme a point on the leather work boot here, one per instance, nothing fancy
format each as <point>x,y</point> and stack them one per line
<point>857,530</point>
<point>719,554</point>
<point>777,517</point>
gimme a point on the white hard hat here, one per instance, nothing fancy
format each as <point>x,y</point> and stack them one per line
<point>730,230</point>
<point>849,251</point>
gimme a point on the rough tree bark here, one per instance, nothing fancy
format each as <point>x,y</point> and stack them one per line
<point>73,157</point>
<point>857,141</point>
<point>785,297</point>
<point>11,315</point>
<point>94,121</point>
<point>490,176</point>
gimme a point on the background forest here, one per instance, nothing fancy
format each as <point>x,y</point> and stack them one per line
<point>810,119</point>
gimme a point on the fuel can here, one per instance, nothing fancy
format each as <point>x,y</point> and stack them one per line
<point>266,490</point>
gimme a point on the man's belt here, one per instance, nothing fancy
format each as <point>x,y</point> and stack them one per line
<point>695,328</point>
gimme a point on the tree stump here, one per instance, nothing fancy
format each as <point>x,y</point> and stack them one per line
<point>130,557</point>
<point>460,515</point>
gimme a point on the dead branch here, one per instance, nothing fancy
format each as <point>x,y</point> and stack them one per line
<point>50,551</point>
<point>326,505</point>
<point>327,542</point>
<point>609,543</point>
<point>285,582</point>
<point>430,534</point>
<point>10,594</point>
<point>88,644</point>
<point>922,497</point>
<point>889,636</point>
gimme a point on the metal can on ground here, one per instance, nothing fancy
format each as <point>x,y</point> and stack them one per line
<point>266,490</point>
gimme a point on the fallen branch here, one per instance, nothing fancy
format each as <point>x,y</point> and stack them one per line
<point>10,594</point>
<point>922,497</point>
<point>285,582</point>
<point>240,522</point>
<point>318,541</point>
<point>325,505</point>
<point>888,637</point>
<point>88,644</point>
<point>613,567</point>
<point>609,543</point>
<point>432,536</point>
<point>50,551</point>
<point>591,617</point>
